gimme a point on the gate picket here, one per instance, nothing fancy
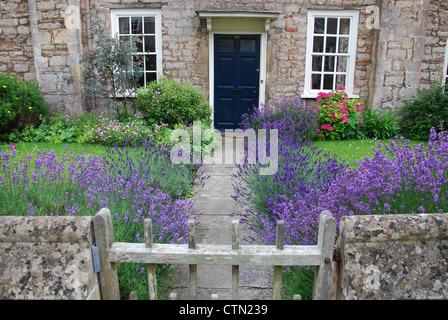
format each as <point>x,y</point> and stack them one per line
<point>149,253</point>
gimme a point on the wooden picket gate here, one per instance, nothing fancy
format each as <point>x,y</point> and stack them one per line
<point>193,254</point>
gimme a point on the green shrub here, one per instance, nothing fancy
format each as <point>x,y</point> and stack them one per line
<point>172,102</point>
<point>380,124</point>
<point>21,103</point>
<point>338,116</point>
<point>427,110</point>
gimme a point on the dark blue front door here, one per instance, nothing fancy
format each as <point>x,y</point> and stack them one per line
<point>237,73</point>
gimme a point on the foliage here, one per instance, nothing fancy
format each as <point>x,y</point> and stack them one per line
<point>21,103</point>
<point>379,124</point>
<point>338,115</point>
<point>300,169</point>
<point>427,110</point>
<point>172,102</point>
<point>135,183</point>
<point>111,69</point>
<point>107,131</point>
<point>291,115</point>
<point>396,179</point>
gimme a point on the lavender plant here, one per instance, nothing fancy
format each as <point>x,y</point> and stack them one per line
<point>134,182</point>
<point>301,170</point>
<point>397,179</point>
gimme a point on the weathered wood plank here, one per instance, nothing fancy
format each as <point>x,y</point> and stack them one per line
<point>104,237</point>
<point>150,268</point>
<point>279,244</point>
<point>323,279</point>
<point>193,268</point>
<point>235,268</point>
<point>215,254</point>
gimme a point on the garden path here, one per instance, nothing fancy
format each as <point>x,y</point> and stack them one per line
<point>217,206</point>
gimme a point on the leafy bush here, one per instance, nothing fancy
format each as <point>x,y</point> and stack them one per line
<point>380,124</point>
<point>21,103</point>
<point>338,115</point>
<point>172,102</point>
<point>107,131</point>
<point>290,115</point>
<point>427,110</point>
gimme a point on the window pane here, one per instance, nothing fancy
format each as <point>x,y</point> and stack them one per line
<point>340,80</point>
<point>332,26</point>
<point>318,44</point>
<point>150,25</point>
<point>331,45</point>
<point>138,43</point>
<point>226,44</point>
<point>136,25</point>
<point>151,76</point>
<point>315,81</point>
<point>137,63</point>
<point>124,39</point>
<point>342,64</point>
<point>344,26</point>
<point>343,45</point>
<point>140,80</point>
<point>247,45</point>
<point>319,25</point>
<point>329,63</point>
<point>123,25</point>
<point>150,44</point>
<point>317,63</point>
<point>151,62</point>
<point>328,82</point>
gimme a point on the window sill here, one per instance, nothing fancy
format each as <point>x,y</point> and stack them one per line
<point>315,95</point>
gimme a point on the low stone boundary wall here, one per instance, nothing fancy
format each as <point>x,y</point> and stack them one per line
<point>47,258</point>
<point>393,257</point>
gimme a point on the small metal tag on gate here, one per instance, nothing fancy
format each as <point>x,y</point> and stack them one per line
<point>96,259</point>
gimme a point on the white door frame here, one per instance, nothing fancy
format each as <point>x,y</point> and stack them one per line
<point>266,17</point>
<point>262,78</point>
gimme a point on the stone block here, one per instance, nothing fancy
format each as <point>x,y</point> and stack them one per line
<point>47,258</point>
<point>21,67</point>
<point>393,257</point>
<point>57,61</point>
<point>45,5</point>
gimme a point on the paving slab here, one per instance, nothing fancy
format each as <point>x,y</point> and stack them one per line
<point>214,201</point>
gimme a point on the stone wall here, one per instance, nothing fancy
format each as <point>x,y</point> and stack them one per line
<point>47,258</point>
<point>411,50</point>
<point>393,257</point>
<point>41,40</point>
<point>46,39</point>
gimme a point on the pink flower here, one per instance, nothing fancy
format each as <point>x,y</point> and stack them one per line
<point>361,122</point>
<point>319,98</point>
<point>358,108</point>
<point>327,126</point>
<point>320,134</point>
<point>341,88</point>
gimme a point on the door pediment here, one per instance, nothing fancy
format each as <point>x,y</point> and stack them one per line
<point>254,21</point>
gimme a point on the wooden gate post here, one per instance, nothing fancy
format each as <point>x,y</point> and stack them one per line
<point>323,279</point>
<point>104,237</point>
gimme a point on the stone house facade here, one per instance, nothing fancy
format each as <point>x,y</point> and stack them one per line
<point>381,51</point>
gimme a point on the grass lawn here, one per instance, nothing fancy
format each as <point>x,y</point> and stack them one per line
<point>24,148</point>
<point>354,150</point>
